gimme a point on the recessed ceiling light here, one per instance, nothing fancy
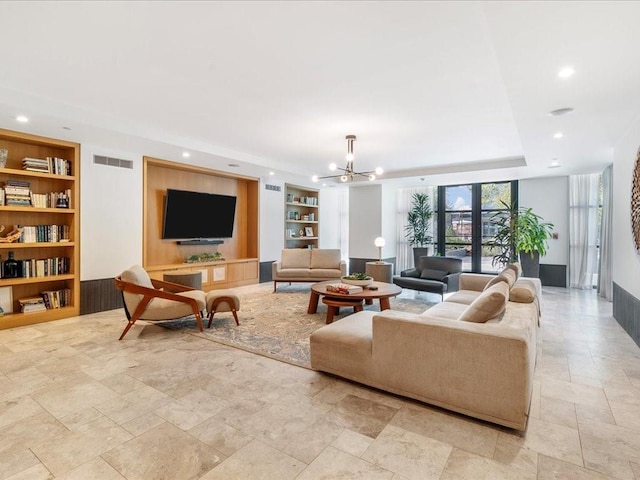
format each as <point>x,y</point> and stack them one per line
<point>272,173</point>
<point>558,135</point>
<point>566,72</point>
<point>22,119</point>
<point>186,154</point>
<point>561,111</point>
<point>234,165</point>
<point>554,164</point>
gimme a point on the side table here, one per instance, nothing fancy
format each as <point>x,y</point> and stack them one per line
<point>380,271</point>
<point>188,279</point>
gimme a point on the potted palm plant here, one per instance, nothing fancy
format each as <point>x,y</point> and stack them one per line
<point>521,235</point>
<point>418,228</point>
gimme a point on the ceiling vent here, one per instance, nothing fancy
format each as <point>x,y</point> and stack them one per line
<point>113,162</point>
<point>275,188</point>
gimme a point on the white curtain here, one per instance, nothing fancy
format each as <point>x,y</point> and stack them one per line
<point>605,276</point>
<point>404,251</point>
<point>343,202</point>
<point>583,229</point>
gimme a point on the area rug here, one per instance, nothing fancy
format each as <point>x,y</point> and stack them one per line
<point>277,325</point>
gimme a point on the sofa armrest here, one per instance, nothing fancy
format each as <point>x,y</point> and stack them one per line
<point>412,272</point>
<point>453,282</point>
<point>481,369</point>
<point>474,281</point>
<point>276,267</point>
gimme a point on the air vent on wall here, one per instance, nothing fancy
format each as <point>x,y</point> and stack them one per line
<point>275,188</point>
<point>112,162</point>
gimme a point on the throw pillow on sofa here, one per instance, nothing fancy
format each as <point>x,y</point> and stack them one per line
<point>431,274</point>
<point>523,291</point>
<point>488,305</point>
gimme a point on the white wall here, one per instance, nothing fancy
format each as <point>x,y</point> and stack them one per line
<point>389,219</point>
<point>626,261</point>
<point>365,205</point>
<point>110,214</point>
<point>549,198</point>
<point>329,215</point>
<point>271,221</point>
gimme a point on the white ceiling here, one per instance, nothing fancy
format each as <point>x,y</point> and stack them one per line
<point>427,87</point>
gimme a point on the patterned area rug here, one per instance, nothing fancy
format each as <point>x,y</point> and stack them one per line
<point>277,325</point>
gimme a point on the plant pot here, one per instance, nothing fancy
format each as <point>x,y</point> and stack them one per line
<point>530,265</point>
<point>420,252</point>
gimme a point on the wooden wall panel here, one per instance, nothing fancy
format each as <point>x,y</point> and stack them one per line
<point>159,175</point>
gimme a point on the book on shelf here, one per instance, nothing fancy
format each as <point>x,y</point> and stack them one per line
<point>55,165</point>
<point>31,304</point>
<point>56,298</point>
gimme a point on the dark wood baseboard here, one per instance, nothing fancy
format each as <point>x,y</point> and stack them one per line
<point>626,311</point>
<point>99,296</point>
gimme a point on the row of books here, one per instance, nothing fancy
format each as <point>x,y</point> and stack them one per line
<point>55,165</point>
<point>44,233</point>
<point>47,300</point>
<point>17,193</point>
<point>56,298</point>
<point>51,200</point>
<point>42,267</point>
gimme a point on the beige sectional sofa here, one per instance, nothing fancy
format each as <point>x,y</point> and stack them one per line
<point>459,354</point>
<point>308,265</point>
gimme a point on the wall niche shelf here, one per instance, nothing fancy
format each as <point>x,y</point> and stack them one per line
<point>301,215</point>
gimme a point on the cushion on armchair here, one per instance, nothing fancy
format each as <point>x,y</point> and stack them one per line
<point>432,274</point>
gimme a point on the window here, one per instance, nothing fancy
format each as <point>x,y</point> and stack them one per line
<point>465,224</point>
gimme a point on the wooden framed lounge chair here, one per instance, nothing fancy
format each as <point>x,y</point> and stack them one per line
<point>145,299</point>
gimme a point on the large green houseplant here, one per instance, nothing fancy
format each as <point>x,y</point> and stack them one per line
<point>418,227</point>
<point>521,235</point>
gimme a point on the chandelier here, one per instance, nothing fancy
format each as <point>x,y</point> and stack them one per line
<point>348,173</point>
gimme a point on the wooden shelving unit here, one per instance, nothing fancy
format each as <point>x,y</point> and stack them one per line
<point>301,216</point>
<point>19,146</point>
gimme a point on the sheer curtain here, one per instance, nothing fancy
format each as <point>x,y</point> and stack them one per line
<point>583,229</point>
<point>605,276</point>
<point>404,251</point>
<point>343,202</point>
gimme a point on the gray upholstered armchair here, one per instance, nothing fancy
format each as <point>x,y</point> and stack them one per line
<point>433,274</point>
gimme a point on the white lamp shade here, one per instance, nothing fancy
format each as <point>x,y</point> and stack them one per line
<point>379,242</point>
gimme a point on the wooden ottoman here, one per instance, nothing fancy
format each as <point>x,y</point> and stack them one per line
<point>334,304</point>
<point>222,301</point>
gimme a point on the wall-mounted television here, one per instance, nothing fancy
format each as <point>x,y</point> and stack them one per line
<point>197,215</point>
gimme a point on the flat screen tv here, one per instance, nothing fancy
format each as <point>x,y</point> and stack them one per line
<point>196,215</point>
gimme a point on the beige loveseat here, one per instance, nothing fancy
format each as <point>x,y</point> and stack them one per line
<point>308,265</point>
<point>456,355</point>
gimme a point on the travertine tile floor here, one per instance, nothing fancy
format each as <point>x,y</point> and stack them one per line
<point>77,404</point>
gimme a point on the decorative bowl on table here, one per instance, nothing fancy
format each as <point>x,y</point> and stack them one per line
<point>359,279</point>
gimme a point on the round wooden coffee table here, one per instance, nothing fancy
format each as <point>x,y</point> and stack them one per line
<point>384,292</point>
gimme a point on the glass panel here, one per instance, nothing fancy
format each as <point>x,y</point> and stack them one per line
<point>458,227</point>
<point>496,195</point>
<point>459,197</point>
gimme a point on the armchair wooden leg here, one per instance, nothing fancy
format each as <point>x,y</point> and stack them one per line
<point>126,329</point>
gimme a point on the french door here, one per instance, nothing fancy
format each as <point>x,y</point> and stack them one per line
<point>464,226</point>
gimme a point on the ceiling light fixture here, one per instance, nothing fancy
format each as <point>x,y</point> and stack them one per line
<point>348,173</point>
<point>22,119</point>
<point>566,72</point>
<point>561,111</point>
<point>186,154</point>
<point>554,164</point>
<point>558,135</point>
